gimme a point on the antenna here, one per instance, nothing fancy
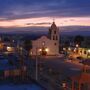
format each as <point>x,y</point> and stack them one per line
<point>53,19</point>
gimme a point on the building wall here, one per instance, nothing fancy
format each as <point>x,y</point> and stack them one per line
<point>84,52</point>
<point>51,45</point>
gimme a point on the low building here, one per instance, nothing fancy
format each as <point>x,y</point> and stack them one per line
<point>11,67</point>
<point>84,52</point>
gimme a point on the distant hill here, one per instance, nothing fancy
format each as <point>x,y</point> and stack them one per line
<point>75,30</point>
<point>66,30</point>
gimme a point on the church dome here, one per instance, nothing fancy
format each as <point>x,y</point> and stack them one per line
<point>53,26</point>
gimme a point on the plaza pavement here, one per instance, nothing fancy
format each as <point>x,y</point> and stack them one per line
<point>56,69</point>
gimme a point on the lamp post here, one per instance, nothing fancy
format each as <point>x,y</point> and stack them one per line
<point>69,51</point>
<point>36,63</point>
<point>77,47</point>
<point>65,52</point>
<point>64,86</point>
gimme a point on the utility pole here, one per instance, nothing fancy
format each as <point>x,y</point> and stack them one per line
<point>36,63</point>
<point>64,86</point>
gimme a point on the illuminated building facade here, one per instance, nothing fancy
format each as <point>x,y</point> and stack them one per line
<point>45,45</point>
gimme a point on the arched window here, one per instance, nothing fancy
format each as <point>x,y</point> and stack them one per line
<point>53,37</point>
<point>81,52</point>
<point>55,32</point>
<point>55,44</point>
<point>85,52</point>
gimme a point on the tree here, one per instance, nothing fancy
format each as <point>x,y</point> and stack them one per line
<point>27,45</point>
<point>7,39</point>
<point>66,44</point>
<point>78,39</point>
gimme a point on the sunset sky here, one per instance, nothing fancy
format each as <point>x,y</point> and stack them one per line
<point>40,13</point>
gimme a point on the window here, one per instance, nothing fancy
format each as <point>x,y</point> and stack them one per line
<point>54,32</point>
<point>55,44</point>
<point>53,38</point>
<point>80,51</point>
<point>84,52</point>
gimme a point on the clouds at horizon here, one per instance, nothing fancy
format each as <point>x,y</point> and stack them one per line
<point>28,13</point>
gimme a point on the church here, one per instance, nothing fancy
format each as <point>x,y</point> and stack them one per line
<point>47,45</point>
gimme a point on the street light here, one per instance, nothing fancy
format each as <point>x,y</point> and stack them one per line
<point>65,52</point>
<point>74,49</point>
<point>64,85</point>
<point>36,63</point>
<point>77,45</point>
<point>88,53</point>
<point>69,49</point>
<point>46,49</point>
<point>64,49</point>
<point>40,49</point>
<point>9,49</point>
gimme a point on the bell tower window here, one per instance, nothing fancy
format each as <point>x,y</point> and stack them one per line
<point>55,32</point>
<point>53,38</point>
<point>55,44</point>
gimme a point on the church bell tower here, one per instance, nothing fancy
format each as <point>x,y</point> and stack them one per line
<point>54,32</point>
<point>54,35</point>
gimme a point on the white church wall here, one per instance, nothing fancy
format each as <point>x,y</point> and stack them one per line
<point>49,44</point>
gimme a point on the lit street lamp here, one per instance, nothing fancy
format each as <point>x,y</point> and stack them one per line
<point>46,50</point>
<point>88,53</point>
<point>77,45</point>
<point>69,49</point>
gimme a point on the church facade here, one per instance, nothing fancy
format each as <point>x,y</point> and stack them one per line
<point>47,45</point>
